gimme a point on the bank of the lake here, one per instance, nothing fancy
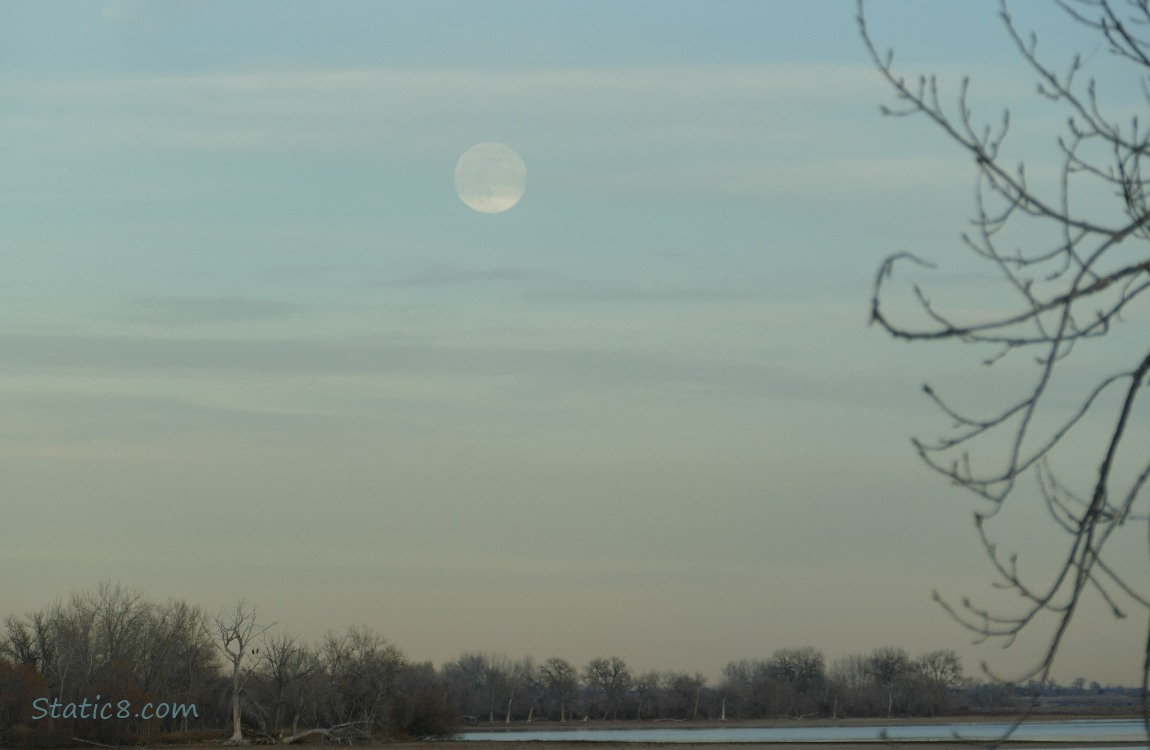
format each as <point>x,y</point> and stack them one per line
<point>1059,731</point>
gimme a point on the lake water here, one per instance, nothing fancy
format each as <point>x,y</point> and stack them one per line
<point>1090,730</point>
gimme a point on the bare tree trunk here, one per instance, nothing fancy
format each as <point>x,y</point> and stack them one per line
<point>233,635</point>
<point>237,737</point>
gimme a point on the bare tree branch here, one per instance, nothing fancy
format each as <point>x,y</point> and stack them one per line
<point>1067,291</point>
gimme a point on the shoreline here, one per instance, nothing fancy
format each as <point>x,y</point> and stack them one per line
<point>613,744</point>
<point>987,718</point>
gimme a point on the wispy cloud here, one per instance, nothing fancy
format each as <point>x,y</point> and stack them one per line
<point>439,277</point>
<point>357,107</point>
<point>202,310</point>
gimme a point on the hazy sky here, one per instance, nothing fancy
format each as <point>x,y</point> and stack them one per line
<point>253,344</point>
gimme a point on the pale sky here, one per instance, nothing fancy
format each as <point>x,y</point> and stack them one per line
<point>254,345</point>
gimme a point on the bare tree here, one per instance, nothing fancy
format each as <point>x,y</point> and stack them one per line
<point>745,688</point>
<point>178,661</point>
<point>612,677</point>
<point>363,671</point>
<point>1071,267</point>
<point>496,681</point>
<point>647,687</point>
<point>936,676</point>
<point>20,643</point>
<point>464,678</point>
<point>285,664</point>
<point>803,667</point>
<point>114,642</point>
<point>888,667</point>
<point>942,667</point>
<point>561,682</point>
<point>233,633</point>
<point>686,691</point>
<point>803,672</point>
<point>531,685</point>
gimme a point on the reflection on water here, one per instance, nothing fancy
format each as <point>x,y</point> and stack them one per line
<point>1090,730</point>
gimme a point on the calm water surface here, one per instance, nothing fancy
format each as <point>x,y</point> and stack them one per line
<point>1091,730</point>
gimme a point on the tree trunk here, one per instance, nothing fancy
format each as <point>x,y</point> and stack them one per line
<point>237,737</point>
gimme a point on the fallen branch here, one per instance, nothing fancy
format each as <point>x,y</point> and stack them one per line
<point>328,734</point>
<point>300,735</point>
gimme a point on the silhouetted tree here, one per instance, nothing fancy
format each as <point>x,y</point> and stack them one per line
<point>889,668</point>
<point>423,708</point>
<point>234,632</point>
<point>561,684</point>
<point>284,667</point>
<point>362,670</point>
<point>612,678</point>
<point>1073,254</point>
<point>685,694</point>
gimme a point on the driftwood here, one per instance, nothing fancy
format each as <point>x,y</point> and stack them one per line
<point>307,733</point>
<point>254,737</point>
<point>331,733</point>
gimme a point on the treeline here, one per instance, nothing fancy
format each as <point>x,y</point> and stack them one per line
<point>114,648</point>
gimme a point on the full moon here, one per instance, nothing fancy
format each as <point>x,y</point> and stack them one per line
<point>490,178</point>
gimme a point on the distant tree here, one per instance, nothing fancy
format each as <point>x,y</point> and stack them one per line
<point>943,667</point>
<point>889,668</point>
<point>234,631</point>
<point>521,682</point>
<point>848,687</point>
<point>1073,253</point>
<point>424,709</point>
<point>612,678</point>
<point>465,679</point>
<point>116,643</point>
<point>20,685</point>
<point>284,667</point>
<point>362,670</point>
<point>19,643</point>
<point>747,689</point>
<point>532,685</point>
<point>648,688</point>
<point>496,671</point>
<point>802,672</point>
<point>685,693</point>
<point>561,683</point>
<point>934,678</point>
<point>994,694</point>
<point>178,659</point>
